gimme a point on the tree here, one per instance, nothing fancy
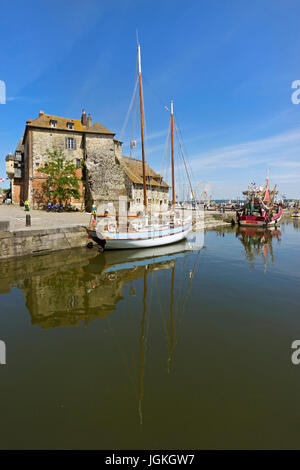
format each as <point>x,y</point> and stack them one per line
<point>62,182</point>
<point>4,191</point>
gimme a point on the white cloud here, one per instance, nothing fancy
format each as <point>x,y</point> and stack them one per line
<point>279,150</point>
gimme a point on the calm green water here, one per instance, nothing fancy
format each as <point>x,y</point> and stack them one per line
<point>188,349</point>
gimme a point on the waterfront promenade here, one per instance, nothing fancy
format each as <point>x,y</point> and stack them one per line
<point>40,219</point>
<point>51,231</point>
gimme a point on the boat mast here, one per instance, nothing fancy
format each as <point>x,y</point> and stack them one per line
<point>142,126</point>
<point>172,153</point>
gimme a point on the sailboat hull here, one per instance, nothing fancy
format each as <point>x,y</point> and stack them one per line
<point>119,241</point>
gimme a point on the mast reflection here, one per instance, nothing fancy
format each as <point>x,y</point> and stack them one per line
<point>68,289</point>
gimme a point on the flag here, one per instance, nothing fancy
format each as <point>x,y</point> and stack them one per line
<point>267,196</point>
<point>132,144</point>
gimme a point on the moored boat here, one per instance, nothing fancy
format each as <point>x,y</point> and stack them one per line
<point>260,208</point>
<point>145,237</point>
<point>143,232</point>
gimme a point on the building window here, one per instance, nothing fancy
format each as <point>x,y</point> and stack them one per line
<point>78,163</point>
<point>70,125</point>
<point>53,123</point>
<point>70,143</point>
<point>37,165</point>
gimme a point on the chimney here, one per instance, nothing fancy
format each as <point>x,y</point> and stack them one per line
<point>83,118</point>
<point>89,121</point>
<point>41,113</point>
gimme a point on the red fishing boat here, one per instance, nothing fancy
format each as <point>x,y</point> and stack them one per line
<point>260,208</point>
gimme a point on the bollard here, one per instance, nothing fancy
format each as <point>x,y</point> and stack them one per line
<point>28,220</point>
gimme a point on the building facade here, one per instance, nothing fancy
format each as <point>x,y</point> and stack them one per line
<point>103,173</point>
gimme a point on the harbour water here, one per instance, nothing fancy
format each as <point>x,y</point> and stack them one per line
<point>187,349</point>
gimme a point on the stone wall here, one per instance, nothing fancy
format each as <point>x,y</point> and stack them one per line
<point>32,242</point>
<point>156,195</point>
<point>43,140</point>
<point>105,177</point>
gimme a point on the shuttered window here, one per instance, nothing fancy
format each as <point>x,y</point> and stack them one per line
<point>70,143</point>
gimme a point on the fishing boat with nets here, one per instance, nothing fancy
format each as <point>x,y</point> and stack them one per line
<point>260,208</point>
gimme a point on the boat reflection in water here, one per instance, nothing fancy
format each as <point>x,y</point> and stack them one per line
<point>67,289</point>
<point>258,242</point>
<point>296,223</point>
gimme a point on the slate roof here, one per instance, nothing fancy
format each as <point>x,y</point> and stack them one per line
<point>134,170</point>
<point>20,146</point>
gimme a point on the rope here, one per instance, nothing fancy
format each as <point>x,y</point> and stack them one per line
<point>155,94</point>
<point>185,164</point>
<point>129,109</point>
<point>164,155</point>
<point>185,152</point>
<point>133,129</point>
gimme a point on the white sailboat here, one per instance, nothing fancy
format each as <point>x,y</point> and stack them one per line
<point>147,230</point>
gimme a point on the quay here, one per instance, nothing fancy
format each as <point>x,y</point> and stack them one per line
<point>51,232</point>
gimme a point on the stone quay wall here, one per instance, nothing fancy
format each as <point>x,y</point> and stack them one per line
<point>36,242</point>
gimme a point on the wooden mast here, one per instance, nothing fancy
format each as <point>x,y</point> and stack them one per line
<point>172,154</point>
<point>142,126</point>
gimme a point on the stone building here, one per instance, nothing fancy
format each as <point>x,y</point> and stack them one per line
<point>103,172</point>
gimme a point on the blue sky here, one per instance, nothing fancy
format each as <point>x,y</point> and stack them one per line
<point>227,64</point>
